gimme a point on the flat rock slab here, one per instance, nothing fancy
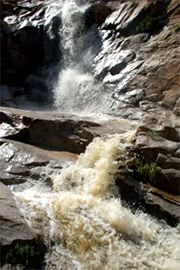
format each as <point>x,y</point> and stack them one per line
<point>56,131</point>
<point>46,129</point>
<point>19,161</point>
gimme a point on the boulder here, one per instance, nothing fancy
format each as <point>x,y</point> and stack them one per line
<point>17,241</point>
<point>96,14</point>
<point>20,162</point>
<point>47,130</point>
<point>156,151</point>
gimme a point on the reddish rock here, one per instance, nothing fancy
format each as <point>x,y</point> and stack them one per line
<point>14,230</point>
<point>157,146</point>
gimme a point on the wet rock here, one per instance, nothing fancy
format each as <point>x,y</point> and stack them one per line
<point>15,234</point>
<point>20,162</point>
<point>148,199</point>
<point>29,41</point>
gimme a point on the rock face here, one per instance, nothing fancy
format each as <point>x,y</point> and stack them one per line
<point>28,43</point>
<point>157,152</point>
<point>139,59</point>
<point>16,238</point>
<point>139,45</point>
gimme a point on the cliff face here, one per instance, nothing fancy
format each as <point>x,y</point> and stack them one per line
<point>137,59</point>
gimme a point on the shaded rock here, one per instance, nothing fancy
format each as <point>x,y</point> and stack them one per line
<point>167,162</point>
<point>15,233</point>
<point>96,14</point>
<point>153,201</point>
<point>167,179</point>
<point>29,41</point>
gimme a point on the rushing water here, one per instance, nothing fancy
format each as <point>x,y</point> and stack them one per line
<point>84,224</point>
<point>75,89</point>
<point>81,218</point>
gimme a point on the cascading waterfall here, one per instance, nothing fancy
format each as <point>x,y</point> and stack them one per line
<point>76,90</point>
<point>84,224</point>
<point>81,218</point>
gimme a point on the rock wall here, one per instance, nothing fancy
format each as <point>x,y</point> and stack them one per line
<point>139,59</point>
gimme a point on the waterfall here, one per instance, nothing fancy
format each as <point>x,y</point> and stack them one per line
<point>84,224</point>
<point>75,89</point>
<point>81,218</point>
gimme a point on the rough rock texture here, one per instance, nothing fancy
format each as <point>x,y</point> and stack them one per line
<point>32,143</point>
<point>151,200</point>
<point>139,58</point>
<point>46,130</point>
<point>29,41</point>
<point>157,148</point>
<point>14,230</point>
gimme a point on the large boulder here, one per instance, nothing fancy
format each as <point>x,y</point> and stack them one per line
<point>157,159</point>
<point>18,244</point>
<point>47,130</point>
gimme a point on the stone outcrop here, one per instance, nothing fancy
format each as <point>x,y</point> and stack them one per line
<point>35,144</point>
<point>16,238</point>
<point>157,147</point>
<point>29,41</point>
<point>139,42</point>
<point>149,199</point>
<point>47,130</point>
<point>139,59</point>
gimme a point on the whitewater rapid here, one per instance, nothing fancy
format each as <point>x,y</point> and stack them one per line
<point>84,224</point>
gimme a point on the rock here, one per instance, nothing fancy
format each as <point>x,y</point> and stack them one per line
<point>150,200</point>
<point>16,234</point>
<point>47,130</point>
<point>147,29</point>
<point>157,146</point>
<point>29,41</point>
<point>167,179</point>
<point>144,17</point>
<point>20,162</point>
<point>96,14</point>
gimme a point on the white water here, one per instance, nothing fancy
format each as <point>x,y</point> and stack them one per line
<point>75,89</point>
<point>82,220</point>
<point>84,224</point>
